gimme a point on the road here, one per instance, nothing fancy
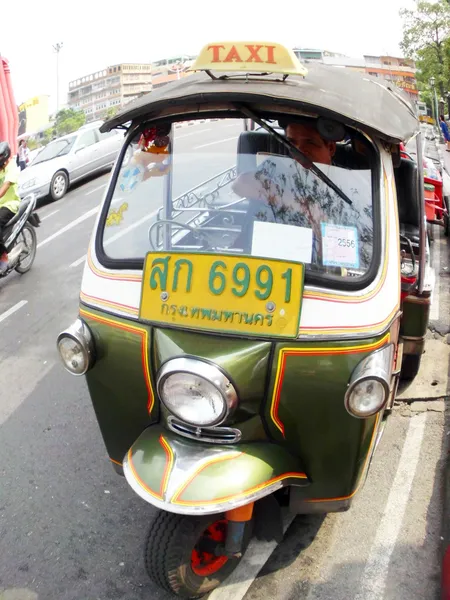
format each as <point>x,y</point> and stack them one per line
<point>71,529</point>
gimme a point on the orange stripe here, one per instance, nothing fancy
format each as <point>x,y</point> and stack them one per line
<point>116,462</point>
<point>143,485</point>
<point>109,304</point>
<point>210,462</point>
<point>144,349</point>
<point>284,352</point>
<point>169,464</point>
<point>348,329</point>
<point>355,491</point>
<point>108,275</point>
<point>253,490</point>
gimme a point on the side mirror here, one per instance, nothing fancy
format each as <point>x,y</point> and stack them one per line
<point>80,148</point>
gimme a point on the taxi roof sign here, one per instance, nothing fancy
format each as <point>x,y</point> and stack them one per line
<point>248,57</point>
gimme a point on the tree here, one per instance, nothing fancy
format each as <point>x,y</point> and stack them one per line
<point>68,120</point>
<point>111,112</point>
<point>426,39</point>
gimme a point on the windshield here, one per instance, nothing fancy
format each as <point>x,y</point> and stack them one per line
<point>55,149</point>
<point>227,190</point>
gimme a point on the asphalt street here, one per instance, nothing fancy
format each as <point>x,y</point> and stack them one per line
<point>71,529</point>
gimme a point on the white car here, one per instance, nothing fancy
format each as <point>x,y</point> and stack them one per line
<point>68,159</point>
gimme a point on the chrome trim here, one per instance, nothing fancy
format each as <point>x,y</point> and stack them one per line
<point>81,333</point>
<point>422,218</point>
<point>206,371</point>
<point>209,509</point>
<point>376,366</point>
<point>211,435</point>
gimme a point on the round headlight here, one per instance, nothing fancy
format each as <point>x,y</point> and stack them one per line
<point>366,398</point>
<point>196,392</point>
<point>75,347</point>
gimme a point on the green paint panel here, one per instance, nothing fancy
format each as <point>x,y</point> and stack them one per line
<point>414,321</point>
<point>256,464</point>
<point>117,384</point>
<point>332,444</point>
<point>245,361</point>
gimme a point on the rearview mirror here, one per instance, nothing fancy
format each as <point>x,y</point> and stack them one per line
<point>81,148</point>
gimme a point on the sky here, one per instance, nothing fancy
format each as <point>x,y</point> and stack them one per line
<point>95,35</point>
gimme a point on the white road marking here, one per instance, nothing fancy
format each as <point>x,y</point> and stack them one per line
<point>12,310</point>
<point>69,226</point>
<point>178,137</point>
<point>377,567</point>
<point>436,264</point>
<point>118,235</point>
<point>216,142</point>
<point>237,584</point>
<point>95,189</point>
<point>49,215</point>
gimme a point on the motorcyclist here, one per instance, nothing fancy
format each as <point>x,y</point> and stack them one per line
<point>9,197</point>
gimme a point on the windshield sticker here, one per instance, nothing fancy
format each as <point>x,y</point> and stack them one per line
<point>115,217</point>
<point>285,242</point>
<point>340,246</point>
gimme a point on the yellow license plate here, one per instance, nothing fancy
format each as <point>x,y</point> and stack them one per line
<point>231,294</point>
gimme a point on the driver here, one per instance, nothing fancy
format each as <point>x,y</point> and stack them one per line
<point>9,197</point>
<point>303,134</point>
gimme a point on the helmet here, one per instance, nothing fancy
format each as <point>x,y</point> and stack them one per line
<point>5,153</point>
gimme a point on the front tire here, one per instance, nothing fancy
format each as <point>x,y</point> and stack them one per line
<point>59,185</point>
<point>176,558</point>
<point>29,237</point>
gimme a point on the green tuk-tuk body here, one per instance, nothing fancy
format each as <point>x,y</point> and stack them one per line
<point>294,365</point>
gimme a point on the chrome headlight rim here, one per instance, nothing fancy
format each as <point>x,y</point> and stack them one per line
<point>377,367</point>
<point>351,388</point>
<point>80,333</point>
<point>206,370</point>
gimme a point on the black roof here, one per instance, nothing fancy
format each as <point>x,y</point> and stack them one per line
<point>349,96</point>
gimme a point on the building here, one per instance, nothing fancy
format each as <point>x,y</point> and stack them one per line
<point>401,71</point>
<point>169,69</point>
<point>114,86</point>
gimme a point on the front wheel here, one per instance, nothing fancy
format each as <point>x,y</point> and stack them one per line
<point>59,185</point>
<point>180,556</point>
<point>26,260</point>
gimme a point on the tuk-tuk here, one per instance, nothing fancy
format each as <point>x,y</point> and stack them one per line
<point>257,283</point>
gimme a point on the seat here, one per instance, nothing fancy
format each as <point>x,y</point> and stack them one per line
<point>407,199</point>
<point>250,143</point>
<point>22,208</point>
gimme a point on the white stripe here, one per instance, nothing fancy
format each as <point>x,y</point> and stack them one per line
<point>12,310</point>
<point>69,226</point>
<point>95,189</point>
<point>216,142</point>
<point>178,137</point>
<point>255,557</point>
<point>118,235</point>
<point>49,215</point>
<point>377,567</point>
<point>436,264</point>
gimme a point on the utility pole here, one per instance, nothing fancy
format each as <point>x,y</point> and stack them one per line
<point>57,48</point>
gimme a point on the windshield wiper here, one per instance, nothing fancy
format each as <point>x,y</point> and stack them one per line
<point>295,152</point>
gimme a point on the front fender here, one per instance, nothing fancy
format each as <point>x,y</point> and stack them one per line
<point>188,477</point>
